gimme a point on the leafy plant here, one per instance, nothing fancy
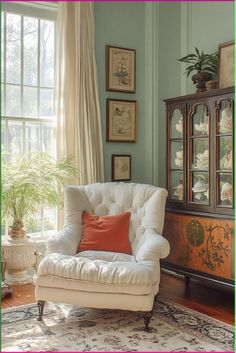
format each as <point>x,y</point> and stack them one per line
<point>31,183</point>
<point>200,62</point>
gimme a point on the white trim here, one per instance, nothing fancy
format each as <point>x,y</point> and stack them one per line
<point>37,9</point>
<point>151,92</point>
<point>48,5</point>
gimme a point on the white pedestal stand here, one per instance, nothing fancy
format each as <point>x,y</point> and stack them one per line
<point>21,256</point>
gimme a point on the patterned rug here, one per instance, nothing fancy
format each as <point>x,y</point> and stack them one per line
<point>66,328</point>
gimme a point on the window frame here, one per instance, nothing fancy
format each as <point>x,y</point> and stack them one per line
<point>41,11</point>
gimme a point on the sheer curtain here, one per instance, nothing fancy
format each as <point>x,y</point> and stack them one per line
<point>76,91</point>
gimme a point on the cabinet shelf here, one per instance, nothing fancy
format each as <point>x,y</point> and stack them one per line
<point>199,170</point>
<point>198,136</point>
<point>227,171</point>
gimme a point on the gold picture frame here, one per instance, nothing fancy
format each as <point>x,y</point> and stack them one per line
<point>120,69</point>
<point>121,120</point>
<point>226,64</point>
<point>121,167</point>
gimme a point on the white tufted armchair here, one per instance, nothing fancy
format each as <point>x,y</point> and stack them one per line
<point>101,279</point>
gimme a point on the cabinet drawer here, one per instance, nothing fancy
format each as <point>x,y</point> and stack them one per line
<point>201,244</point>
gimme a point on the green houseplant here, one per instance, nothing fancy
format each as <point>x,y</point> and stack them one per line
<point>29,184</point>
<point>204,64</point>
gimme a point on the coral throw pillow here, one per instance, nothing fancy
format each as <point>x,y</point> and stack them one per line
<point>107,233</point>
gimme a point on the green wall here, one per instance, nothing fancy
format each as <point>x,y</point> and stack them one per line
<point>122,24</point>
<point>209,24</point>
<point>168,73</point>
<point>179,27</point>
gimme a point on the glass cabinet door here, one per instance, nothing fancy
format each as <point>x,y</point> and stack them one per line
<point>224,154</point>
<point>175,155</point>
<point>198,155</point>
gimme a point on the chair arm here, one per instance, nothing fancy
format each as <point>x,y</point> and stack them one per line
<point>154,247</point>
<point>65,241</point>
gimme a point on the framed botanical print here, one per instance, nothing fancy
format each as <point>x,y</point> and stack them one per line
<point>121,120</point>
<point>120,69</point>
<point>121,167</point>
<point>226,64</point>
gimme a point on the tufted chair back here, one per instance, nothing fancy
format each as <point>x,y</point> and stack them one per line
<point>146,204</point>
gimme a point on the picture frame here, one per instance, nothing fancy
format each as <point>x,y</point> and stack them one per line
<point>226,64</point>
<point>121,167</point>
<point>120,69</point>
<point>121,118</point>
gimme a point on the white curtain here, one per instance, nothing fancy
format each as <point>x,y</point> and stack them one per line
<point>76,91</point>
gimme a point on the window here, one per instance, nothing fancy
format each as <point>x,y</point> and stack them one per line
<point>27,82</point>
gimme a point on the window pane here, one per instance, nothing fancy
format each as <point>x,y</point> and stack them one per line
<point>3,142</point>
<point>13,100</point>
<point>49,219</point>
<point>30,51</point>
<point>47,53</point>
<point>15,139</point>
<point>30,102</point>
<point>46,102</point>
<point>33,137</point>
<point>47,138</point>
<point>2,100</point>
<point>13,50</point>
<point>2,46</point>
<point>34,223</point>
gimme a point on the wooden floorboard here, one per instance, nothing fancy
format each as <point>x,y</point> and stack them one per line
<point>211,300</point>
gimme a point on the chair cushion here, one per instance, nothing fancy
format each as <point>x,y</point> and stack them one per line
<point>102,272</point>
<point>106,256</point>
<point>106,233</point>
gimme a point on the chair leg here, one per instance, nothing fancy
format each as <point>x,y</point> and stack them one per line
<point>41,307</point>
<point>147,317</point>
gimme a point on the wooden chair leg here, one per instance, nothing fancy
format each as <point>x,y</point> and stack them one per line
<point>147,317</point>
<point>41,304</point>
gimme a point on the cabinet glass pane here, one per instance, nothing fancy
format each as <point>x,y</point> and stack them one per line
<point>176,130</point>
<point>225,152</point>
<point>176,155</point>
<point>225,123</point>
<point>176,186</point>
<point>200,121</point>
<point>200,187</point>
<point>200,157</point>
<point>225,189</point>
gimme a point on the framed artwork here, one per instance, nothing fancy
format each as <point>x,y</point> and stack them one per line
<point>121,167</point>
<point>120,69</point>
<point>121,120</point>
<point>226,64</point>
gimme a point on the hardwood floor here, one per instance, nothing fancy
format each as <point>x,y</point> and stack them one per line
<point>210,299</point>
<point>214,301</point>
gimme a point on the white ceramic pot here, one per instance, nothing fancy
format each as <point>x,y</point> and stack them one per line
<point>20,256</point>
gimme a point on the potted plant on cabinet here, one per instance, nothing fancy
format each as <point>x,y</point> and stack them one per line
<point>204,64</point>
<point>28,185</point>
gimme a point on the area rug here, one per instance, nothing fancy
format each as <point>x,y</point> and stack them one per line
<point>67,328</point>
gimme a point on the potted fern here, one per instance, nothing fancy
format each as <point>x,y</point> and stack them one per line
<point>204,64</point>
<point>29,184</point>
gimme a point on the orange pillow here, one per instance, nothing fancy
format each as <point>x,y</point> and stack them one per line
<point>107,233</point>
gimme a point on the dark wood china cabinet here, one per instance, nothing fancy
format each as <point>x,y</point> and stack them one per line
<point>199,220</point>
